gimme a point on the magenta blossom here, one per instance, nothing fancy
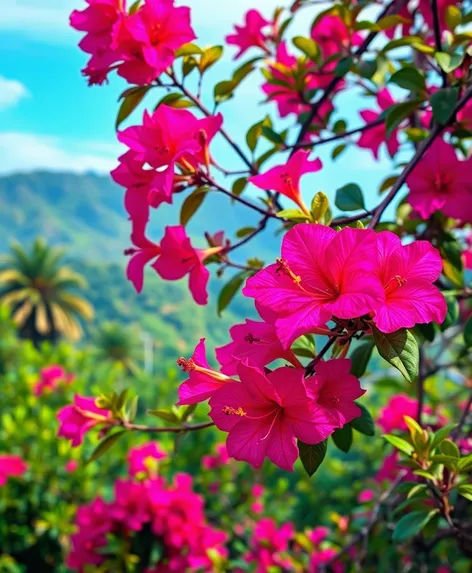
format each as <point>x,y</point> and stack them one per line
<point>407,274</point>
<point>11,466</point>
<point>333,36</point>
<point>268,545</point>
<point>250,34</point>
<point>130,506</point>
<point>219,459</point>
<point>143,252</point>
<point>71,466</point>
<point>80,417</point>
<point>285,179</point>
<point>392,416</point>
<point>256,341</point>
<point>441,182</point>
<point>264,414</point>
<point>51,378</point>
<point>373,137</point>
<point>334,389</point>
<point>178,258</point>
<point>321,273</point>
<point>142,459</point>
<point>203,381</point>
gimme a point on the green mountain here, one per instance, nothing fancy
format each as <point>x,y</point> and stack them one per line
<point>84,214</point>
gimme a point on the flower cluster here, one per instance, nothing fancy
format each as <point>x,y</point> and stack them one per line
<point>172,513</point>
<point>51,378</point>
<point>11,466</point>
<point>139,44</point>
<point>78,418</point>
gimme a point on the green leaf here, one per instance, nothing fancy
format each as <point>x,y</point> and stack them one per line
<point>166,415</point>
<point>343,66</point>
<point>449,461</point>
<point>244,232</point>
<point>387,183</point>
<point>134,7</point>
<point>449,448</point>
<point>367,68</point>
<point>338,150</point>
<point>231,288</point>
<point>411,524</point>
<point>349,198</point>
<point>360,358</point>
<point>452,313</point>
<point>132,408</point>
<point>443,102</point>
<point>188,50</point>
<point>409,79</point>
<point>191,204</point>
<point>319,206</point>
<point>342,437</point>
<point>239,186</point>
<point>399,444</point>
<point>468,332</point>
<point>209,57</point>
<point>106,444</point>
<point>271,135</point>
<point>465,490</point>
<point>364,424</point>
<point>304,346</point>
<point>131,100</point>
<point>425,474</point>
<point>441,435</point>
<point>188,412</point>
<point>400,349</point>
<point>399,112</point>
<point>465,464</point>
<point>453,17</point>
<point>448,62</point>
<point>421,487</point>
<point>312,456</point>
<point>308,46</point>
<point>293,214</point>
<point>169,99</point>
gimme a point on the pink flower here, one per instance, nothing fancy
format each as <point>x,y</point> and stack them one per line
<point>255,340</point>
<point>11,466</point>
<point>80,417</point>
<point>219,459</point>
<point>467,253</point>
<point>322,273</point>
<point>285,179</point>
<point>285,90</point>
<point>333,36</point>
<point>442,6</point>
<point>144,252</point>
<point>268,544</point>
<point>392,416</point>
<point>264,414</point>
<point>334,389</point>
<point>142,458</point>
<point>390,468</point>
<point>365,496</point>
<point>441,182</point>
<point>407,274</point>
<point>178,258</point>
<point>318,535</point>
<point>250,34</point>
<point>131,505</point>
<point>203,381</point>
<point>324,556</point>
<point>71,466</point>
<point>373,137</point>
<point>50,379</point>
<point>167,139</point>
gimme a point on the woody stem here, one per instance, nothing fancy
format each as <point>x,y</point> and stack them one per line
<point>172,430</point>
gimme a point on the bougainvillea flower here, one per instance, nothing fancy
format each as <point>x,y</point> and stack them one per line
<point>216,460</point>
<point>441,182</point>
<point>97,20</point>
<point>141,458</point>
<point>390,468</point>
<point>143,252</point>
<point>256,341</point>
<point>160,28</point>
<point>203,381</point>
<point>80,417</point>
<point>334,388</point>
<point>50,378</point>
<point>407,273</point>
<point>467,253</point>
<point>178,258</point>
<point>321,273</point>
<point>250,34</point>
<point>264,414</point>
<point>333,37</point>
<point>373,137</point>
<point>424,8</point>
<point>285,179</point>
<point>11,466</point>
<point>269,545</point>
<point>130,506</point>
<point>392,416</point>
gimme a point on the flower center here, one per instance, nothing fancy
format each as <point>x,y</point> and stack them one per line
<point>251,339</point>
<point>230,411</point>
<point>394,284</point>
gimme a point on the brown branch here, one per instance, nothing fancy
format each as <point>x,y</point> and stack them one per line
<point>421,381</point>
<point>437,35</point>
<point>422,148</point>
<point>456,433</point>
<point>310,369</point>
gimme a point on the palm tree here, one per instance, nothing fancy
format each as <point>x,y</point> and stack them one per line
<point>41,293</point>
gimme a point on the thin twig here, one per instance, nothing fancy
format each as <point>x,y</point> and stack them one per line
<point>172,430</point>
<point>421,381</point>
<point>310,369</point>
<point>456,433</point>
<point>437,35</point>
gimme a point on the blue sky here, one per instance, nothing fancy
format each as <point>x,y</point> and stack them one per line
<point>50,119</point>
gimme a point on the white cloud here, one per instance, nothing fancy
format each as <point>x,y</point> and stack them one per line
<point>11,91</point>
<point>28,152</point>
